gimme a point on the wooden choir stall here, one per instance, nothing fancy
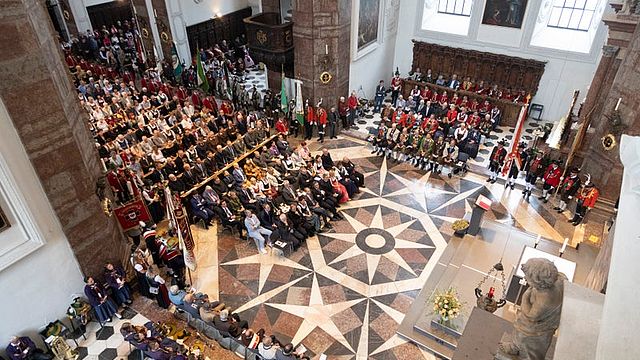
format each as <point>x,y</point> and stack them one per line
<point>506,80</point>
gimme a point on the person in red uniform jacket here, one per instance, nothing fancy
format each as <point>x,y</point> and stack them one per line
<point>496,160</point>
<point>586,199</point>
<point>310,120</point>
<point>210,103</point>
<point>195,100</point>
<point>568,189</point>
<point>282,127</point>
<point>551,179</point>
<point>227,107</point>
<point>353,105</point>
<point>473,120</point>
<point>426,94</point>
<point>452,113</point>
<point>321,115</point>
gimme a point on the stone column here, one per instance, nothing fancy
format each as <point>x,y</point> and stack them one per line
<point>620,319</point>
<point>43,106</point>
<point>81,16</point>
<point>605,166</point>
<point>271,6</point>
<point>322,38</point>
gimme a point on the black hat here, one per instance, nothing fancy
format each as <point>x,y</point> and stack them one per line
<point>575,170</point>
<point>502,142</point>
<point>589,184</point>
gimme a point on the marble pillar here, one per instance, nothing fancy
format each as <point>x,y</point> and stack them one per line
<point>271,6</point>
<point>620,318</point>
<point>322,38</point>
<point>80,15</point>
<point>605,166</point>
<point>40,99</point>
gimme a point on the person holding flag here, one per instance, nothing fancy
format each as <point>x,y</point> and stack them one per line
<point>514,163</point>
<point>284,102</point>
<point>294,123</point>
<point>299,109</point>
<point>203,82</point>
<point>321,115</point>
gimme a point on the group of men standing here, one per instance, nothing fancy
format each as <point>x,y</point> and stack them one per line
<point>536,167</point>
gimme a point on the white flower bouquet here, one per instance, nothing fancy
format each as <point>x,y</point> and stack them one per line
<point>447,305</point>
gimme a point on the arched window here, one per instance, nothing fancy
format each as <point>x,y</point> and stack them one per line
<point>572,14</point>
<point>455,7</point>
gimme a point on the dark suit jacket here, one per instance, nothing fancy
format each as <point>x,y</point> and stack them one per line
<point>189,178</point>
<point>288,195</point>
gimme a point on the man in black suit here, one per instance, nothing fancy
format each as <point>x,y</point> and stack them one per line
<point>305,179</point>
<point>267,217</point>
<point>210,163</point>
<point>220,156</point>
<point>287,192</point>
<point>228,218</point>
<point>201,170</point>
<point>247,198</point>
<point>189,177</point>
<point>175,184</point>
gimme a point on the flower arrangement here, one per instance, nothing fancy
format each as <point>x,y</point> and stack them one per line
<point>447,305</point>
<point>460,225</point>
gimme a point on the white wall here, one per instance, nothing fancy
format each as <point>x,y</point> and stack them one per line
<point>371,66</point>
<point>620,321</point>
<point>36,288</point>
<point>564,72</point>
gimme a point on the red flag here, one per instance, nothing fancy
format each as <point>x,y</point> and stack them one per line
<point>179,221</point>
<point>130,215</point>
<point>513,154</point>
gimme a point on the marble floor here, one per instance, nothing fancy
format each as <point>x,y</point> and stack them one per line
<point>345,292</point>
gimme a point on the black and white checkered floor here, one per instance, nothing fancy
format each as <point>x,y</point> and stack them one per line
<point>107,343</point>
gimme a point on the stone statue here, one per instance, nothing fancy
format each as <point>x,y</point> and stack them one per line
<point>539,314</point>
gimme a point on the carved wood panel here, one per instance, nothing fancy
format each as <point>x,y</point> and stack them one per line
<point>508,72</point>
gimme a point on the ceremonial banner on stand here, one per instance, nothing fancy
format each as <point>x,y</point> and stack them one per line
<point>284,102</point>
<point>203,83</point>
<point>513,154</point>
<point>175,59</point>
<point>130,215</point>
<point>178,220</point>
<point>299,104</point>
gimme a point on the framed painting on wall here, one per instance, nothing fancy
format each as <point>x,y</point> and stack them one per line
<point>369,26</point>
<point>508,13</point>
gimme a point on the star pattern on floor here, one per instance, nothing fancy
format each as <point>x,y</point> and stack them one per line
<point>378,242</point>
<point>344,293</point>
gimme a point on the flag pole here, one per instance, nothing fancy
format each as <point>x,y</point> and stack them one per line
<point>575,143</point>
<point>513,151</point>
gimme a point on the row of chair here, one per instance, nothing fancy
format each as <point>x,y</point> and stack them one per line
<point>224,339</point>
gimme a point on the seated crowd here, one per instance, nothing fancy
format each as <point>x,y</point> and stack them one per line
<point>196,306</point>
<point>431,130</point>
<point>480,87</point>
